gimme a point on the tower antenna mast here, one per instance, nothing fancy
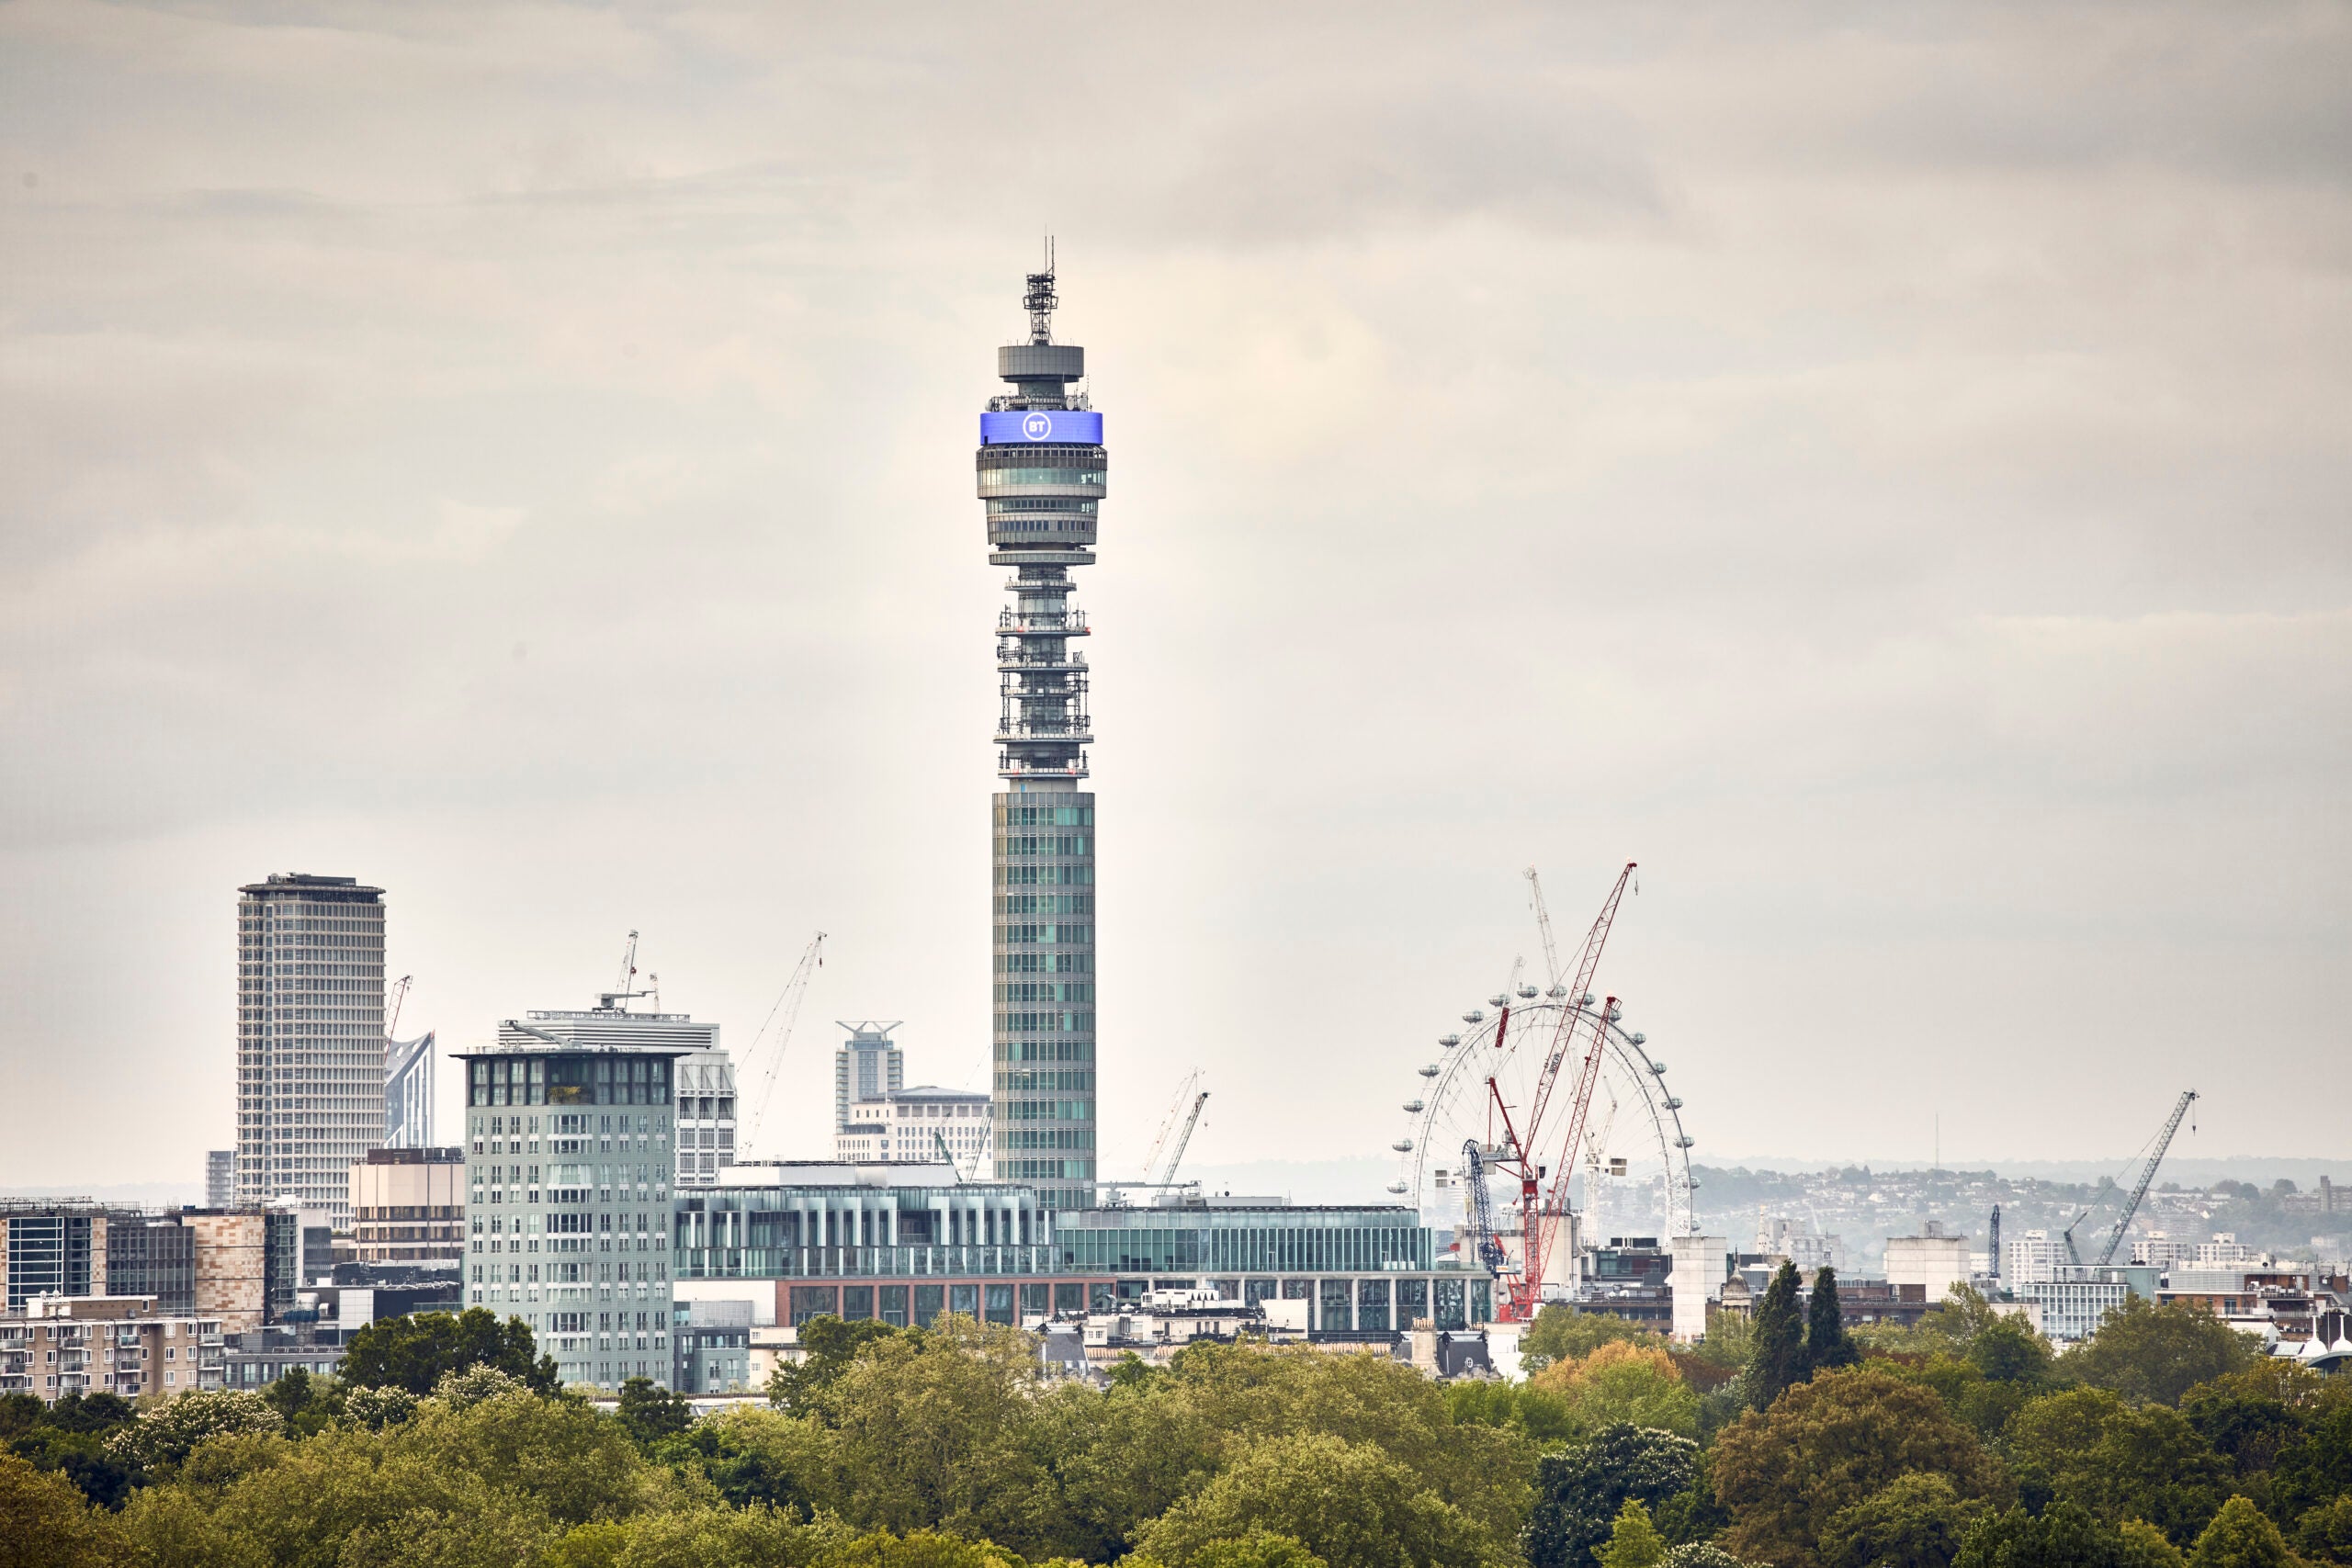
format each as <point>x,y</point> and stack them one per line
<point>1039,301</point>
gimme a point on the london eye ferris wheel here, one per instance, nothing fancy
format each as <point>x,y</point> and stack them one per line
<point>1539,1102</point>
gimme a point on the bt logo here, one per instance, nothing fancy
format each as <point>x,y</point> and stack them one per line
<point>1037,426</point>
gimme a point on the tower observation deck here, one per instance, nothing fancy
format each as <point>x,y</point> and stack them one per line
<point>1041,466</point>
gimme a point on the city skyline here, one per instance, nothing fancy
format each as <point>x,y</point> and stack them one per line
<point>1913,537</point>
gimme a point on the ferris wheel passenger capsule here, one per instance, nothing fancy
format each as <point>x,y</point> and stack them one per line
<point>1474,1016</point>
<point>1403,1145</point>
<point>1556,992</point>
<point>1586,1000</point>
<point>1429,1069</point>
<point>1658,1068</point>
<point>1449,1041</point>
<point>1497,999</point>
<point>1415,1107</point>
<point>1396,1187</point>
<point>1526,991</point>
<point>1638,1038</point>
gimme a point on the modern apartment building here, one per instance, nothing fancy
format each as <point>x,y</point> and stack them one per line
<point>569,1166</point>
<point>239,1266</point>
<point>309,1037</point>
<point>1042,469</point>
<point>127,1346</point>
<point>408,1092</point>
<point>219,1177</point>
<point>409,1205</point>
<point>867,1066</point>
<point>703,1086</point>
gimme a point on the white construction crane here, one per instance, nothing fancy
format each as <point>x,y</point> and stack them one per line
<point>2147,1175</point>
<point>1543,924</point>
<point>787,1002</point>
<point>1167,1126</point>
<point>1183,1140</point>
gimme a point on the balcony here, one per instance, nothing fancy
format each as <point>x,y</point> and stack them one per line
<point>1068,623</point>
<point>1077,734</point>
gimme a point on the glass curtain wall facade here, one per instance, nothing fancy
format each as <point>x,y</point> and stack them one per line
<point>1041,471</point>
<point>309,1037</point>
<point>568,1182</point>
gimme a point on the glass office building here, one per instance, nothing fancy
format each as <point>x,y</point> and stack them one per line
<point>900,1242</point>
<point>1366,1269</point>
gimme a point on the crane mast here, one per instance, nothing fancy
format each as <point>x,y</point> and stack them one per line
<point>2147,1176</point>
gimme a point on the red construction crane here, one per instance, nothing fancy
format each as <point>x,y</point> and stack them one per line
<point>1521,1151</point>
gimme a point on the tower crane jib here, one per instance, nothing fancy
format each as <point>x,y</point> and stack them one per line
<point>2147,1175</point>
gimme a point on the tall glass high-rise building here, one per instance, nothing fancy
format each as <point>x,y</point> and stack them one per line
<point>1042,466</point>
<point>309,1037</point>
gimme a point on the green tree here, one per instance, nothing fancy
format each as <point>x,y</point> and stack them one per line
<point>2008,1350</point>
<point>929,1425</point>
<point>2119,1460</point>
<point>2240,1537</point>
<point>1826,1445</point>
<point>415,1351</point>
<point>2158,1353</point>
<point>757,1459</point>
<point>2061,1536</point>
<point>651,1413</point>
<point>1776,1362</point>
<point>1579,1493</point>
<point>1914,1521</point>
<point>1562,1334</point>
<point>2324,1534</point>
<point>1349,1504</point>
<point>1258,1549</point>
<point>2317,1466</point>
<point>1826,1348</point>
<point>1623,1383</point>
<point>1634,1542</point>
<point>1701,1554</point>
<point>44,1523</point>
<point>828,1346</point>
<point>162,1440</point>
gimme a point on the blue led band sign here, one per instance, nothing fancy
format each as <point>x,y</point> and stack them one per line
<point>1070,426</point>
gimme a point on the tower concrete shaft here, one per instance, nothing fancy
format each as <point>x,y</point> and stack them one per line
<point>1042,468</point>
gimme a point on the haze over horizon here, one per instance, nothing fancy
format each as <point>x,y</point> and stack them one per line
<point>1883,471</point>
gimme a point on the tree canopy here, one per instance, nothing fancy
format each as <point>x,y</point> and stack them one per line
<point>417,1350</point>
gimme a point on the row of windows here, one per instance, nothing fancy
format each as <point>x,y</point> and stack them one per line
<point>1045,816</point>
<point>1043,1050</point>
<point>1063,875</point>
<point>1271,1247</point>
<point>1045,1023</point>
<point>1074,1138</point>
<point>1046,1082</point>
<point>1045,903</point>
<point>996,482</point>
<point>1044,962</point>
<point>1045,991</point>
<point>1045,844</point>
<point>1044,1170</point>
<point>1043,503</point>
<point>1047,932</point>
<point>1046,1110</point>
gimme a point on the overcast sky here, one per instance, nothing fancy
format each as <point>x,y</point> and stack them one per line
<point>1883,468</point>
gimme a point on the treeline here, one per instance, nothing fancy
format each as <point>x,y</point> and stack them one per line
<point>1965,1441</point>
